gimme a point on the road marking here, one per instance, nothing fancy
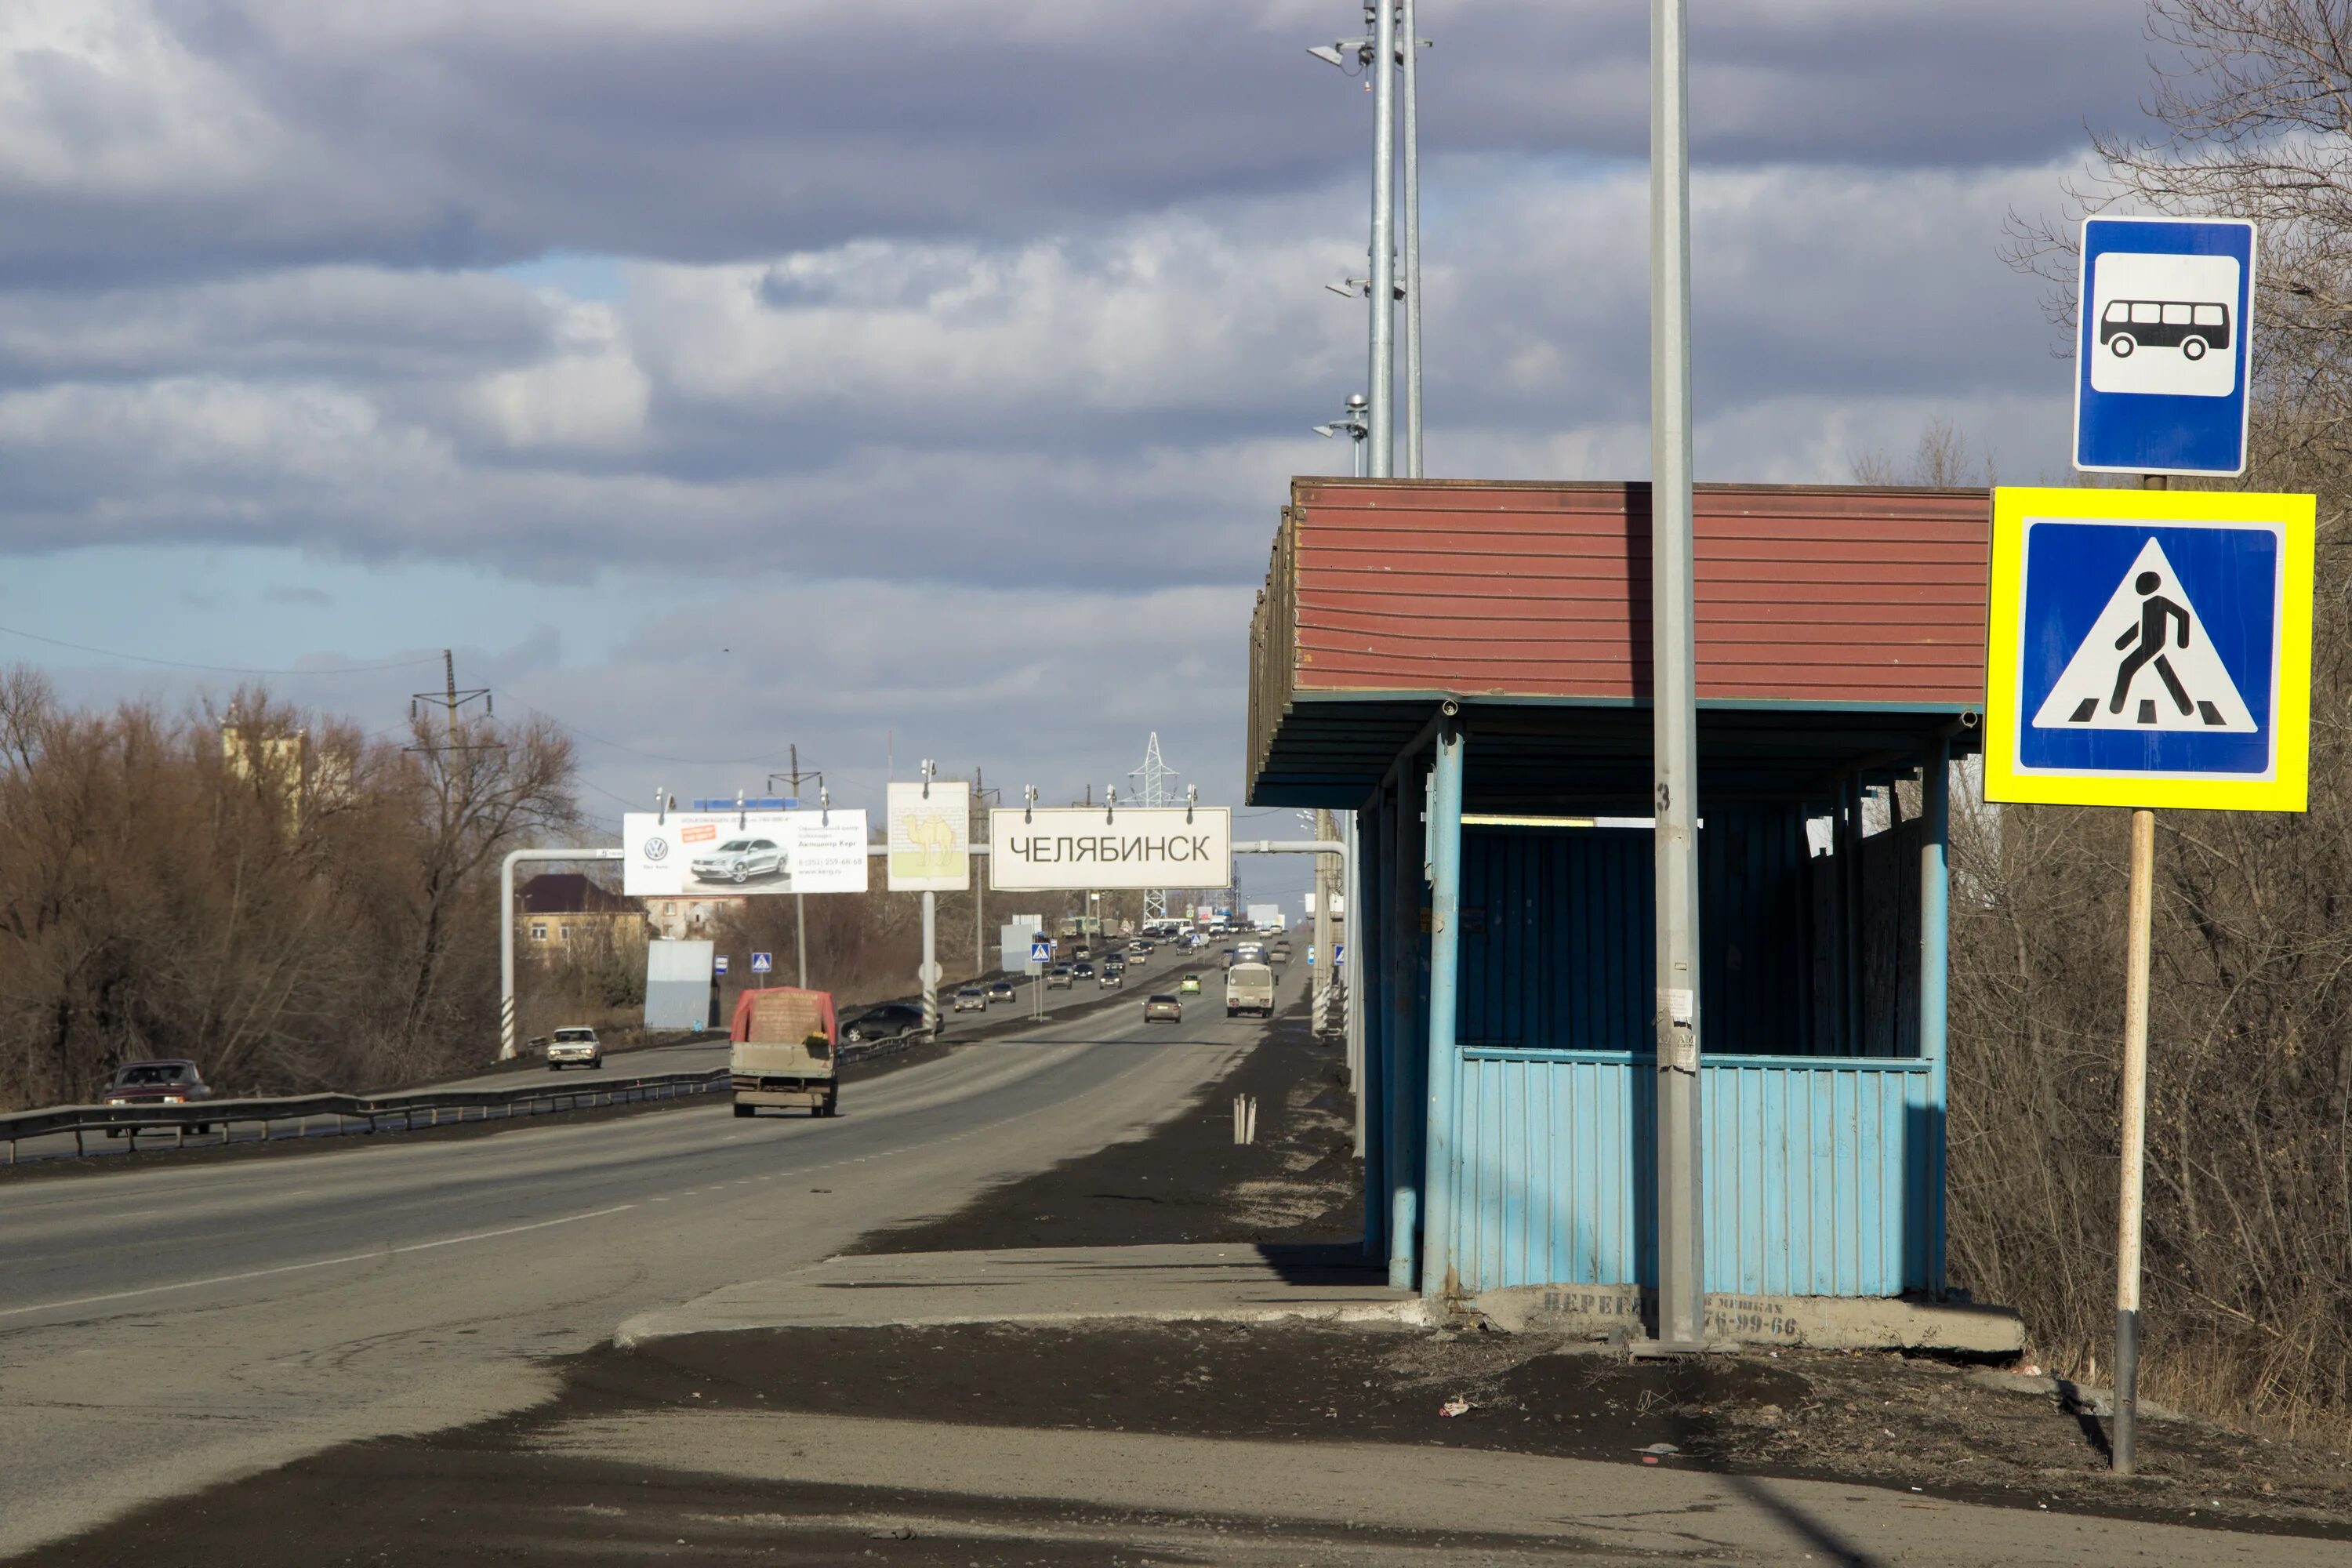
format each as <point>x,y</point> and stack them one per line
<point>298,1268</point>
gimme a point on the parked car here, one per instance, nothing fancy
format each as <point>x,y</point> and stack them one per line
<point>739,860</point>
<point>1058,977</point>
<point>1001,992</point>
<point>1189,986</point>
<point>971,999</point>
<point>1163,1006</point>
<point>890,1021</point>
<point>166,1081</point>
<point>575,1046</point>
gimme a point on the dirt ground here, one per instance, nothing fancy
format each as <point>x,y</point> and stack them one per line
<point>1189,1182</point>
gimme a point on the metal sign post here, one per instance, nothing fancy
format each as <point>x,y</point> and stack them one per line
<point>2148,648</point>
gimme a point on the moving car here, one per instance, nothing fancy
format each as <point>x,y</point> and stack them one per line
<point>1058,977</point>
<point>1083,970</point>
<point>890,1021</point>
<point>1189,986</point>
<point>1249,988</point>
<point>1001,992</point>
<point>1279,955</point>
<point>1112,976</point>
<point>1163,1006</point>
<point>574,1046</point>
<point>971,999</point>
<point>739,860</point>
<point>173,1080</point>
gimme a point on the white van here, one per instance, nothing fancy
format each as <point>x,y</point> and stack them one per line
<point>1249,988</point>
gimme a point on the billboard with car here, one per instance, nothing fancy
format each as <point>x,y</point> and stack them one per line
<point>680,852</point>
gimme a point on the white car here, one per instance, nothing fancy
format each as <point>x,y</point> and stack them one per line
<point>971,999</point>
<point>574,1047</point>
<point>739,860</point>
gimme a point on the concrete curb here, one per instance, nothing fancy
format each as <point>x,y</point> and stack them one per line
<point>1821,1322</point>
<point>1040,1286</point>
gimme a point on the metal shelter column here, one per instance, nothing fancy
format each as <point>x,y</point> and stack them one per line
<point>1439,1276</point>
<point>1371,947</point>
<point>1405,1115</point>
<point>1935,960</point>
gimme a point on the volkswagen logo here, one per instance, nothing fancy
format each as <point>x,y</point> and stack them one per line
<point>657,848</point>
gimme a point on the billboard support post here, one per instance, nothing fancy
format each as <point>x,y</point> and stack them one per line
<point>930,964</point>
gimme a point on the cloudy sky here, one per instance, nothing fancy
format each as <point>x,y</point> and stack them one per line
<point>915,378</point>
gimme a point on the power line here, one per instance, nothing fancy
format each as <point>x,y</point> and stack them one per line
<point>564,723</point>
<point>212,668</point>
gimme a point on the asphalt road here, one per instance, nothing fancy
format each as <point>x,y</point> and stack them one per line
<point>161,1330</point>
<point>1159,972</point>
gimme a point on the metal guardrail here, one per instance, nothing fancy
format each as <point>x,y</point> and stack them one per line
<point>372,1113</point>
<point>356,1113</point>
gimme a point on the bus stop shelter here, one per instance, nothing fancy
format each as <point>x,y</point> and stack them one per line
<point>1465,666</point>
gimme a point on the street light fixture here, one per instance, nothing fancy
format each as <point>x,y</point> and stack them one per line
<point>1354,419</point>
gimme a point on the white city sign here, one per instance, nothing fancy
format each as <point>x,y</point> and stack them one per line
<point>1087,846</point>
<point>729,852</point>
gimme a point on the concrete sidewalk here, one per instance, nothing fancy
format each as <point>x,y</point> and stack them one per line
<point>1215,1282</point>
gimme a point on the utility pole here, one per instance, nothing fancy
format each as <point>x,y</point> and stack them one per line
<point>449,699</point>
<point>800,900</point>
<point>1383,397</point>
<point>1409,220</point>
<point>1673,697</point>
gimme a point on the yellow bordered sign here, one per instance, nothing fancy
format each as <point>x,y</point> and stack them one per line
<point>2150,648</point>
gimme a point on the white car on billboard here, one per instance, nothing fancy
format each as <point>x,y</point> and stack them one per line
<point>739,860</point>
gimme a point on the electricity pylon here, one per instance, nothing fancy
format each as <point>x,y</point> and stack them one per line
<point>1152,781</point>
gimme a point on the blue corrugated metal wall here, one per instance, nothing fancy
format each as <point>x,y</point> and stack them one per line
<point>1559,936</point>
<point>1819,1155</point>
<point>1817,1172</point>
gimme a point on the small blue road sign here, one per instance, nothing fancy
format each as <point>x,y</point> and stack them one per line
<point>1040,952</point>
<point>719,964</point>
<point>2162,346</point>
<point>2150,648</point>
<point>1339,954</point>
<point>762,962</point>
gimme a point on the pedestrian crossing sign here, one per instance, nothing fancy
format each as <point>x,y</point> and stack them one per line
<point>2149,648</point>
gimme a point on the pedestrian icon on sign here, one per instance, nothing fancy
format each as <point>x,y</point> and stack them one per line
<point>2168,674</point>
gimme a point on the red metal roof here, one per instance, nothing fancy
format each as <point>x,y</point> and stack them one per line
<point>1805,594</point>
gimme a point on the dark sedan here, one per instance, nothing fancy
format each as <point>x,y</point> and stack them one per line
<point>891,1021</point>
<point>174,1082</point>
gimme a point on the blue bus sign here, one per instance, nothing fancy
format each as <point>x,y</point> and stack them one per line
<point>719,964</point>
<point>2162,345</point>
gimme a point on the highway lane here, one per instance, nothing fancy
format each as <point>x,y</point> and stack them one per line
<point>164,1329</point>
<point>703,1055</point>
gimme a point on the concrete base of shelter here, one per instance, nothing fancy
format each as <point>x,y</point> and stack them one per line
<point>1823,1322</point>
<point>1229,1283</point>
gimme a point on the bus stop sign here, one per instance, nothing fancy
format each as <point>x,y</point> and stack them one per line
<point>2149,648</point>
<point>2166,308</point>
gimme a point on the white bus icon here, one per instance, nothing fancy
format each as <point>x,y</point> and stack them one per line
<point>2165,324</point>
